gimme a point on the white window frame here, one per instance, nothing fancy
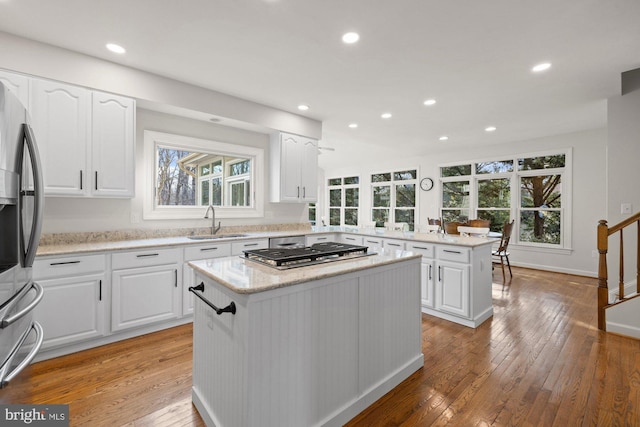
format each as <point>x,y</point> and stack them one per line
<point>515,206</point>
<point>392,200</point>
<point>343,196</point>
<point>153,139</point>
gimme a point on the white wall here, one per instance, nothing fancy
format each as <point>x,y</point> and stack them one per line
<point>623,178</point>
<point>589,189</point>
<point>65,214</point>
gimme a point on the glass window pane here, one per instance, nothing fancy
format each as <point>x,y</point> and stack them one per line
<point>335,197</point>
<point>494,193</point>
<point>350,216</point>
<point>312,213</point>
<point>462,170</point>
<point>352,180</point>
<point>216,192</point>
<point>455,194</point>
<point>540,226</point>
<point>380,216</point>
<point>381,196</point>
<point>217,167</point>
<point>495,167</point>
<point>543,162</point>
<point>335,181</point>
<point>460,215</point>
<point>240,168</point>
<point>334,216</point>
<point>205,170</point>
<point>204,193</point>
<point>497,218</point>
<point>175,185</point>
<point>351,197</point>
<point>405,196</point>
<point>543,191</point>
<point>405,215</point>
<point>381,177</point>
<point>405,175</point>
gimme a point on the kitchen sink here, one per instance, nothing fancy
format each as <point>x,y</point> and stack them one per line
<point>215,236</point>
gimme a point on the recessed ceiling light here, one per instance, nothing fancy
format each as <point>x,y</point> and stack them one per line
<point>303,107</point>
<point>490,128</point>
<point>350,38</point>
<point>443,138</point>
<point>386,115</point>
<point>429,102</point>
<point>353,125</point>
<point>541,67</point>
<point>116,48</point>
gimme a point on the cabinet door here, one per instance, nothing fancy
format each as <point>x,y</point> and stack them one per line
<point>319,238</point>
<point>144,295</point>
<point>60,119</point>
<point>71,310</point>
<point>351,239</point>
<point>290,167</point>
<point>452,290</point>
<point>18,84</point>
<point>309,171</point>
<point>113,145</point>
<point>427,283</point>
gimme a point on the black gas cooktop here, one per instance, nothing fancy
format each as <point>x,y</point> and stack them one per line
<point>284,258</point>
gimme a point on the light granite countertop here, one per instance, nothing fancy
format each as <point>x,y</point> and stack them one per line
<point>66,247</point>
<point>248,277</point>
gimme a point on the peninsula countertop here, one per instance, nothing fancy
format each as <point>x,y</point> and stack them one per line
<point>244,276</point>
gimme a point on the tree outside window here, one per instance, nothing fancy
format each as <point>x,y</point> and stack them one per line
<point>398,205</point>
<point>344,200</point>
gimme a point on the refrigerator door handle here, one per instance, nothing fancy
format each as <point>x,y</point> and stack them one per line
<point>6,377</point>
<point>8,320</point>
<point>38,196</point>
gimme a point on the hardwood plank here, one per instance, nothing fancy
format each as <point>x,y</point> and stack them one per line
<point>540,361</point>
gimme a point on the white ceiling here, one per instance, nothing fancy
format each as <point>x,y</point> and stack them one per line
<point>474,57</point>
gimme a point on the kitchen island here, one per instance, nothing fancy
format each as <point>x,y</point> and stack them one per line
<point>309,346</point>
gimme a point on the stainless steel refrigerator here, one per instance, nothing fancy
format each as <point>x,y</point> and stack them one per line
<point>21,204</point>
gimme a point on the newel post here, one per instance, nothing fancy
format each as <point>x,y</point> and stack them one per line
<point>603,289</point>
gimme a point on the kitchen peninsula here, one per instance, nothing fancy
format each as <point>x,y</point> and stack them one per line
<point>308,346</point>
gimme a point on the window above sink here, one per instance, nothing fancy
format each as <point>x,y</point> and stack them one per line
<point>184,175</point>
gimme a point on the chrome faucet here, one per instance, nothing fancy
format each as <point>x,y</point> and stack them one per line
<point>214,229</point>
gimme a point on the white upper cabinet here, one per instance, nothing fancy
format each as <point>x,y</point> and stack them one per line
<point>86,140</point>
<point>60,120</point>
<point>18,84</point>
<point>113,145</point>
<point>294,168</point>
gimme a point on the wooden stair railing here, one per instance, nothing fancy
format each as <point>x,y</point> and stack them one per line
<point>604,231</point>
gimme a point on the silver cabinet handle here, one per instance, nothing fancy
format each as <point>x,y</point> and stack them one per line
<point>451,252</point>
<point>13,302</point>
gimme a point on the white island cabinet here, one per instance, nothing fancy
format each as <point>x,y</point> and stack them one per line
<point>310,346</point>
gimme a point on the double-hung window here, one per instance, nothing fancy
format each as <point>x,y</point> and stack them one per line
<point>344,200</point>
<point>394,197</point>
<point>532,190</point>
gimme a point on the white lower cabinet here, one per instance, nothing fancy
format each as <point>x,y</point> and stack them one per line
<point>73,305</point>
<point>145,288</point>
<point>351,239</point>
<point>452,288</point>
<point>237,248</point>
<point>194,253</point>
<point>427,272</point>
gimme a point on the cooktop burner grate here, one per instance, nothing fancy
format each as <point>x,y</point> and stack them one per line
<point>298,257</point>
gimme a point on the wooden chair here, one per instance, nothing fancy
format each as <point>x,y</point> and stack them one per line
<point>501,252</point>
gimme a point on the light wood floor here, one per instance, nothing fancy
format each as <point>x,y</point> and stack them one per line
<point>540,361</point>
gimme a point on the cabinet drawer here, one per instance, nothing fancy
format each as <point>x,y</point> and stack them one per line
<point>350,239</point>
<point>425,249</point>
<point>216,250</point>
<point>313,239</point>
<point>144,258</point>
<point>68,266</point>
<point>453,253</point>
<point>238,247</point>
<point>394,244</point>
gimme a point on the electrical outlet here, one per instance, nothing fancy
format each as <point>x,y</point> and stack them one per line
<point>625,208</point>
